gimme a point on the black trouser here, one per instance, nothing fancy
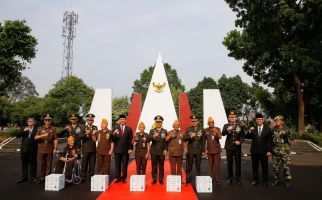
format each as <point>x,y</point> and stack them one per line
<point>29,159</point>
<point>88,162</point>
<point>140,164</point>
<point>256,159</point>
<point>157,160</point>
<point>121,162</point>
<point>234,155</point>
<point>197,160</point>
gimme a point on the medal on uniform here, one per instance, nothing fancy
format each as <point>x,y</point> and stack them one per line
<point>213,137</point>
<point>163,135</point>
<point>238,129</point>
<point>107,136</point>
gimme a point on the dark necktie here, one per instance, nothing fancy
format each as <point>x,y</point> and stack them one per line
<point>259,131</point>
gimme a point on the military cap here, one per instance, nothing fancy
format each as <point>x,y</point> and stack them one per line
<point>259,115</point>
<point>194,118</point>
<point>279,117</point>
<point>141,124</point>
<point>158,118</point>
<point>232,114</point>
<point>48,116</point>
<point>122,116</point>
<point>90,116</point>
<point>176,123</point>
<point>73,116</point>
<point>211,120</point>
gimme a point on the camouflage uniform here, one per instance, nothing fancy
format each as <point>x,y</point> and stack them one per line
<point>281,153</point>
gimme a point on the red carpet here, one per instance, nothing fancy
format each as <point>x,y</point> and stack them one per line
<point>154,192</point>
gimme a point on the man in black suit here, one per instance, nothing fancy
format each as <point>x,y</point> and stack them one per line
<point>260,149</point>
<point>28,151</point>
<point>122,137</point>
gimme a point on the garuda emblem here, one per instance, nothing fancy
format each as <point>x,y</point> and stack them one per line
<point>158,86</point>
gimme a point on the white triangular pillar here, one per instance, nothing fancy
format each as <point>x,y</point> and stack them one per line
<point>158,100</point>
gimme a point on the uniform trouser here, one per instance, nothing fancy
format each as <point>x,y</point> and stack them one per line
<point>214,161</point>
<point>283,160</point>
<point>88,163</point>
<point>157,160</point>
<point>103,164</point>
<point>121,162</point>
<point>59,169</point>
<point>45,164</point>
<point>140,164</point>
<point>234,155</point>
<point>191,159</point>
<point>175,165</point>
<point>263,160</point>
<point>29,159</point>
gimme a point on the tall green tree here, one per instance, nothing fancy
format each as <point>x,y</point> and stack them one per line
<point>17,48</point>
<point>68,95</point>
<point>120,106</point>
<point>22,89</point>
<point>142,85</point>
<point>195,95</point>
<point>280,41</point>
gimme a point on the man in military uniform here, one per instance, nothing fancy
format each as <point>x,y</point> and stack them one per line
<point>235,137</point>
<point>66,160</point>
<point>194,139</point>
<point>47,146</point>
<point>73,129</point>
<point>142,149</point>
<point>159,149</point>
<point>175,147</point>
<point>105,148</point>
<point>212,135</point>
<point>88,147</point>
<point>281,151</point>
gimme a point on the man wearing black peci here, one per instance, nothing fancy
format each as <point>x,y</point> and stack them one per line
<point>122,137</point>
<point>28,151</point>
<point>260,149</point>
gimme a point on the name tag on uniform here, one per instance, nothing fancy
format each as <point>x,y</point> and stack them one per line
<point>212,137</point>
<point>179,141</point>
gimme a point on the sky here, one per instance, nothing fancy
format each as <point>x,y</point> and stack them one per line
<point>116,40</point>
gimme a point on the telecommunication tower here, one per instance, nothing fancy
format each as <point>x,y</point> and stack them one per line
<point>69,32</point>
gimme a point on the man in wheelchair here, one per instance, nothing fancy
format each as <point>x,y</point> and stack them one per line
<point>67,162</point>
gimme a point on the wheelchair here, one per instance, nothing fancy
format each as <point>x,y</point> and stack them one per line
<point>75,178</point>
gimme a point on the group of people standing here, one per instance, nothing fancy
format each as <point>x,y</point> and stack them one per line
<point>91,145</point>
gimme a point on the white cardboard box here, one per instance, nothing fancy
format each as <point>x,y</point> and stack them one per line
<point>173,183</point>
<point>137,183</point>
<point>99,183</point>
<point>55,182</point>
<point>203,184</point>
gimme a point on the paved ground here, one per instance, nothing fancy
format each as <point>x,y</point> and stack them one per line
<point>306,168</point>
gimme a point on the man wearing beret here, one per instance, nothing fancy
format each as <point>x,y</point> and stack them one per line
<point>194,138</point>
<point>159,149</point>
<point>122,138</point>
<point>261,148</point>
<point>47,146</point>
<point>88,147</point>
<point>28,150</point>
<point>73,129</point>
<point>212,135</point>
<point>235,137</point>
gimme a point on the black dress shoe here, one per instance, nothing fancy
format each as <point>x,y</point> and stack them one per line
<point>287,184</point>
<point>33,180</point>
<point>161,182</point>
<point>40,181</point>
<point>229,181</point>
<point>117,180</point>
<point>275,183</point>
<point>123,181</point>
<point>265,183</point>
<point>238,182</point>
<point>254,183</point>
<point>188,181</point>
<point>153,182</point>
<point>22,181</point>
